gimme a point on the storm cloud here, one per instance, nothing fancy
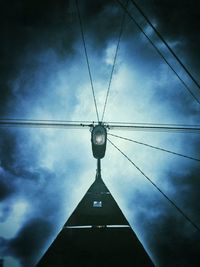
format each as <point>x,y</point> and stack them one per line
<point>45,172</point>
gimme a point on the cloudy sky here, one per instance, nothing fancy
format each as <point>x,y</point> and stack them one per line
<point>45,172</point>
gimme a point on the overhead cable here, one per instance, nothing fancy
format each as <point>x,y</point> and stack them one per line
<point>153,124</point>
<point>110,123</point>
<point>161,191</point>
<point>44,120</point>
<point>158,51</point>
<point>87,59</point>
<point>155,147</point>
<point>148,127</point>
<point>166,44</point>
<point>43,124</point>
<point>114,61</point>
<point>154,128</point>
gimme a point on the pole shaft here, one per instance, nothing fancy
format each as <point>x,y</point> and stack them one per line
<point>98,174</point>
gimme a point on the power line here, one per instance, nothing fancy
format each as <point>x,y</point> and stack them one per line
<point>112,123</point>
<point>42,124</point>
<point>155,147</point>
<point>87,59</point>
<point>153,124</point>
<point>164,195</point>
<point>166,44</point>
<point>43,120</point>
<point>154,128</point>
<point>172,128</point>
<point>114,61</point>
<point>158,51</point>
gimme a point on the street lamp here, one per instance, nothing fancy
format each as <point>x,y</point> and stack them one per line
<point>98,139</point>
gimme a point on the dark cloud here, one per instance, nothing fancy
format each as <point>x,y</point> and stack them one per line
<point>173,246</point>
<point>175,237</point>
<point>179,20</point>
<point>187,186</point>
<point>8,145</point>
<point>105,16</point>
<point>29,241</point>
<point>170,238</point>
<point>176,19</point>
<point>27,27</point>
<point>5,189</point>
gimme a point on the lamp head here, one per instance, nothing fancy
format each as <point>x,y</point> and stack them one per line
<point>98,139</point>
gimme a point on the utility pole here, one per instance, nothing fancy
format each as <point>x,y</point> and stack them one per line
<point>97,232</point>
